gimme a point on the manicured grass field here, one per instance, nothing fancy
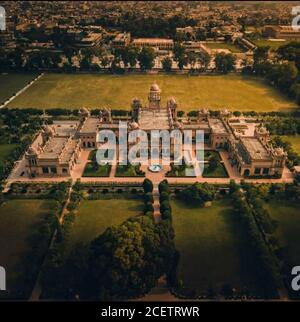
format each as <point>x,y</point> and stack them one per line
<point>127,171</point>
<point>12,83</point>
<point>212,246</point>
<point>211,153</point>
<point>216,45</point>
<point>288,230</point>
<point>234,92</point>
<point>219,172</point>
<point>101,171</point>
<point>272,44</point>
<point>19,219</point>
<point>294,140</point>
<point>5,150</point>
<point>94,216</point>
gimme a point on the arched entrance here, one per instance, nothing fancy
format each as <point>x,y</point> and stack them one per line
<point>247,173</point>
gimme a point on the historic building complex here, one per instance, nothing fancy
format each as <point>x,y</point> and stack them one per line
<point>57,148</point>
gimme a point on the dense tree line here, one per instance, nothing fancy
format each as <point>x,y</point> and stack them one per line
<point>284,126</point>
<point>282,71</point>
<point>148,26</point>
<point>256,195</point>
<point>17,129</point>
<point>268,276</point>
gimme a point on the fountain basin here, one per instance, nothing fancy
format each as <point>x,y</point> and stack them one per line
<point>155,168</point>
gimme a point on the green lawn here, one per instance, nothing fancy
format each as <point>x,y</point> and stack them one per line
<point>94,216</point>
<point>19,219</point>
<point>212,246</point>
<point>287,216</point>
<point>12,83</point>
<point>234,92</point>
<point>101,171</point>
<point>5,150</point>
<point>215,45</point>
<point>272,44</point>
<point>294,140</point>
<point>181,171</point>
<point>211,153</point>
<point>127,171</point>
<point>219,172</point>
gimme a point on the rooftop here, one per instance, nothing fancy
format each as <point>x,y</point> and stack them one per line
<point>90,125</point>
<point>53,148</point>
<point>65,128</point>
<point>153,40</point>
<point>255,148</point>
<point>217,126</point>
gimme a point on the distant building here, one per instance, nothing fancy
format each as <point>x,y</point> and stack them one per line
<point>91,40</point>
<point>121,40</point>
<point>157,43</point>
<point>281,32</point>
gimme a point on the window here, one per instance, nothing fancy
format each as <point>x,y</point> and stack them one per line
<point>257,170</point>
<point>64,170</point>
<point>45,170</point>
<point>53,170</point>
<point>266,171</point>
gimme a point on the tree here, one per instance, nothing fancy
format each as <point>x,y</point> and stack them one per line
<point>147,185</point>
<point>146,58</point>
<point>225,62</point>
<point>201,34</point>
<point>197,194</point>
<point>148,197</point>
<point>167,64</point>
<point>126,260</point>
<point>203,60</point>
<point>129,56</point>
<point>192,59</point>
<point>260,55</point>
<point>180,55</point>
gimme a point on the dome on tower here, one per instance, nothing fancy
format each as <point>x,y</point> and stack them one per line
<point>154,88</point>
<point>278,151</point>
<point>261,130</point>
<point>84,111</point>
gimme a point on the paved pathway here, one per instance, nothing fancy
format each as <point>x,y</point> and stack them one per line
<point>156,204</point>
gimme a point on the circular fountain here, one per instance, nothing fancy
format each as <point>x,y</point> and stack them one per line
<point>155,168</point>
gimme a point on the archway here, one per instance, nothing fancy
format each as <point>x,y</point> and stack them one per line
<point>246,172</point>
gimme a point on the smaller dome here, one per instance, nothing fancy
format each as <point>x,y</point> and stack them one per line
<point>225,112</point>
<point>134,125</point>
<point>84,111</point>
<point>154,88</point>
<point>278,151</point>
<point>261,130</point>
<point>172,100</point>
<point>203,111</point>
